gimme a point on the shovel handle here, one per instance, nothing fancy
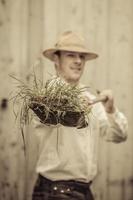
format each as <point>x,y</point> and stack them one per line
<point>99,99</point>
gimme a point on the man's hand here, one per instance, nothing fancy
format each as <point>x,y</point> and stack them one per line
<point>109,101</point>
<point>106,97</point>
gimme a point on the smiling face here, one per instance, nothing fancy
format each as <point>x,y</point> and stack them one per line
<point>70,65</point>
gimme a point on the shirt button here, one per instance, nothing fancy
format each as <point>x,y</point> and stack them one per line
<point>55,188</point>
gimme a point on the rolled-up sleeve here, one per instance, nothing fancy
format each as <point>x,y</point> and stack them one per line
<point>113,127</point>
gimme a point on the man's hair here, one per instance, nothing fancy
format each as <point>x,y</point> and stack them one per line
<point>58,53</point>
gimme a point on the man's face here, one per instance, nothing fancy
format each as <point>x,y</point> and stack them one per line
<point>70,65</point>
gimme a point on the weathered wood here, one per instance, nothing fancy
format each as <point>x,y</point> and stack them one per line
<point>29,27</point>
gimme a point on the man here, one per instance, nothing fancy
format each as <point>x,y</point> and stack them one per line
<point>67,172</point>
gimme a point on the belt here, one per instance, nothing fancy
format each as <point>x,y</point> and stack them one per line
<point>63,186</point>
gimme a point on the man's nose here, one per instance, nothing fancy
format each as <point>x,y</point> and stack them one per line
<point>78,59</point>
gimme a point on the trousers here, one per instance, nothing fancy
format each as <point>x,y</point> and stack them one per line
<point>46,189</point>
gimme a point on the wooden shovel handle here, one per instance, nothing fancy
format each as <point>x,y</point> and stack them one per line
<point>99,99</point>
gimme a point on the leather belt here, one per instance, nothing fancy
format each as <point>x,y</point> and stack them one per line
<point>63,186</point>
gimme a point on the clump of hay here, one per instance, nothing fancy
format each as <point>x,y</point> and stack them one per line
<point>53,102</point>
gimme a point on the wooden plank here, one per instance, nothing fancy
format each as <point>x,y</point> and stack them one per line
<point>95,24</point>
<point>116,166</point>
<point>121,81</point>
<point>28,27</point>
<point>102,23</point>
<point>8,62</point>
<point>18,41</point>
<point>50,33</point>
<point>71,16</point>
<point>31,39</point>
<point>120,50</point>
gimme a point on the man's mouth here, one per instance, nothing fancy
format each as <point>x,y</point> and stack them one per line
<point>75,68</point>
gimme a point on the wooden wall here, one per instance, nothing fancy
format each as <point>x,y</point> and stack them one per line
<point>29,26</point>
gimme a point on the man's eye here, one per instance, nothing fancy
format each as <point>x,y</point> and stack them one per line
<point>71,55</point>
<point>82,56</point>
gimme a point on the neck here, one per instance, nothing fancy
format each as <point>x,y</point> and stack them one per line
<point>72,82</point>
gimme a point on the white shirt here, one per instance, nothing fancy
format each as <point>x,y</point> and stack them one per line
<point>68,153</point>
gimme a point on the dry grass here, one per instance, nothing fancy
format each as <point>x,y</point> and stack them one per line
<point>54,95</point>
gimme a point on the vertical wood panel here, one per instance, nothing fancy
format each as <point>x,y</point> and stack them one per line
<point>50,32</point>
<point>10,63</point>
<point>120,49</point>
<point>28,27</point>
<point>71,15</point>
<point>33,31</point>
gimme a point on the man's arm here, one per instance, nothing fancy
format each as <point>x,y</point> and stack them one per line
<point>115,127</point>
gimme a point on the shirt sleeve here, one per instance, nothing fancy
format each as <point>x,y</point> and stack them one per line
<point>113,127</point>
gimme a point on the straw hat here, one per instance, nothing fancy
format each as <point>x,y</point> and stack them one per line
<point>70,41</point>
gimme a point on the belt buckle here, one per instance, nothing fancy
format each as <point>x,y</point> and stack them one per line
<point>59,188</point>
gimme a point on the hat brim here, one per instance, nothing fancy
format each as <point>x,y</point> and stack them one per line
<point>50,53</point>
